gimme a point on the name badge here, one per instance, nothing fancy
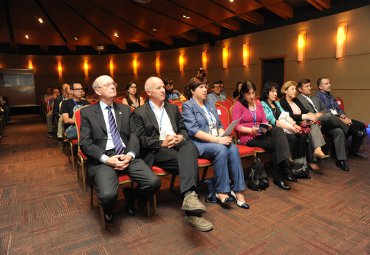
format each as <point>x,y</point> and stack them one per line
<point>162,135</point>
<point>214,132</point>
<point>334,111</point>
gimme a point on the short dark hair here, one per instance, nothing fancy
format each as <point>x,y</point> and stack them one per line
<point>214,83</point>
<point>303,82</point>
<point>319,80</point>
<point>73,85</point>
<point>194,83</point>
<point>269,85</point>
<point>167,81</point>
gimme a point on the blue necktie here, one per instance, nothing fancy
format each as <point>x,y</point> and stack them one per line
<point>114,132</point>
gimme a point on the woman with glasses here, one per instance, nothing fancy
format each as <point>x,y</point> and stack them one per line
<point>133,98</point>
<point>205,130</point>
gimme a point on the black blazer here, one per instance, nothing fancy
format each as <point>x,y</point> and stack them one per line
<point>285,105</point>
<point>93,134</point>
<point>147,129</point>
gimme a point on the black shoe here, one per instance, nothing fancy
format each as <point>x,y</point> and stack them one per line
<point>108,217</point>
<point>342,165</point>
<point>291,164</point>
<point>50,135</point>
<point>290,177</point>
<point>130,201</point>
<point>281,184</point>
<point>359,155</point>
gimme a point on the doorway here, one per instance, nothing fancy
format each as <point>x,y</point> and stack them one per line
<point>273,70</point>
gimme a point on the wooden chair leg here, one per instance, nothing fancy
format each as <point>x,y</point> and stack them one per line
<point>172,183</point>
<point>148,208</point>
<point>204,174</point>
<point>83,173</point>
<point>155,204</point>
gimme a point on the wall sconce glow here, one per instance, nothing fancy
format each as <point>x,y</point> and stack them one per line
<point>111,67</point>
<point>158,64</point>
<point>301,45</point>
<point>341,40</point>
<point>225,57</point>
<point>86,68</point>
<point>204,59</point>
<point>30,64</point>
<point>135,65</point>
<point>246,54</point>
<point>181,62</point>
<point>60,69</point>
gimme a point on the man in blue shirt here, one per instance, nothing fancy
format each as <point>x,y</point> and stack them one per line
<point>356,128</point>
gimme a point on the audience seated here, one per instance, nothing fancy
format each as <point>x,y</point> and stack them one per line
<point>223,93</point>
<point>216,95</point>
<point>56,109</point>
<point>330,124</point>
<point>69,107</point>
<point>112,148</point>
<point>356,128</point>
<point>300,114</point>
<point>49,115</point>
<point>251,115</point>
<point>133,97</point>
<point>164,143</point>
<point>171,93</point>
<point>205,130</point>
<point>236,92</point>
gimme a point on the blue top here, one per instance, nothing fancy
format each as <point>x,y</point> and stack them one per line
<point>269,113</point>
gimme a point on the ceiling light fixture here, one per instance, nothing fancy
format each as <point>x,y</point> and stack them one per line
<point>40,20</point>
<point>75,38</point>
<point>154,29</point>
<point>116,35</point>
<point>231,1</point>
<point>185,16</point>
<point>27,37</point>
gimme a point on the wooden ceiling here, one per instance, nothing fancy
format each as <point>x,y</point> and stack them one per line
<point>81,26</point>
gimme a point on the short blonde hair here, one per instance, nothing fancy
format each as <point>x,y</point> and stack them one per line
<point>287,85</point>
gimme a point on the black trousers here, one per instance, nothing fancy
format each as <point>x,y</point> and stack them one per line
<point>297,145</point>
<point>181,159</point>
<point>105,179</point>
<point>355,130</point>
<point>276,142</point>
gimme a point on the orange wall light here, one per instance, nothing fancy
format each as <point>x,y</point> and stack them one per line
<point>246,54</point>
<point>301,45</point>
<point>204,59</point>
<point>86,67</point>
<point>225,57</point>
<point>341,40</point>
<point>30,64</point>
<point>60,69</point>
<point>181,62</point>
<point>111,67</point>
<point>158,64</point>
<point>135,65</point>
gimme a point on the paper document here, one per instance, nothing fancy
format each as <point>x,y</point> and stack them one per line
<point>230,128</point>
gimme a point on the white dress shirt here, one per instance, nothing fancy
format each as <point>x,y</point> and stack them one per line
<point>164,122</point>
<point>110,144</point>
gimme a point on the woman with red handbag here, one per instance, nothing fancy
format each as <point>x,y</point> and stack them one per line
<point>299,113</point>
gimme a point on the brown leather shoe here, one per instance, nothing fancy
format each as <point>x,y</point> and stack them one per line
<point>315,168</point>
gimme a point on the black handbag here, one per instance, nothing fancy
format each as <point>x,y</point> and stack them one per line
<point>257,179</point>
<point>302,172</point>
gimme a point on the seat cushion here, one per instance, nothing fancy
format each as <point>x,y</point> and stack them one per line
<point>124,178</point>
<point>202,162</point>
<point>245,151</point>
<point>158,171</point>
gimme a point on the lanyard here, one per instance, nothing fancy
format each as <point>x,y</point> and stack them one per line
<point>254,114</point>
<point>158,119</point>
<point>212,118</point>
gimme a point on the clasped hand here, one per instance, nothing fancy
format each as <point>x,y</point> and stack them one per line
<point>119,162</point>
<point>172,140</point>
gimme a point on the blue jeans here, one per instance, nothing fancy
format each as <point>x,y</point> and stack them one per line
<point>226,162</point>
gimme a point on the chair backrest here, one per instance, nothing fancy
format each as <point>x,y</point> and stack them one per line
<point>178,103</point>
<point>118,100</point>
<point>340,102</point>
<point>224,115</point>
<point>226,103</point>
<point>77,118</point>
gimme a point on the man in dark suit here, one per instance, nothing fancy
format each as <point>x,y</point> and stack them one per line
<point>164,143</point>
<point>330,124</point>
<point>112,147</point>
